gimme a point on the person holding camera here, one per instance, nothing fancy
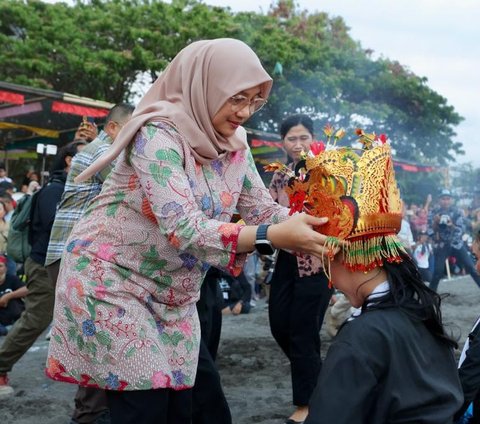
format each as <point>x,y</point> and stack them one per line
<point>448,225</point>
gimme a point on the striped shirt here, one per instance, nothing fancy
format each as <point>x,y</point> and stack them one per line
<point>76,197</point>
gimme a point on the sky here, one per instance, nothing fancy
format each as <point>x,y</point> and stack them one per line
<point>436,39</point>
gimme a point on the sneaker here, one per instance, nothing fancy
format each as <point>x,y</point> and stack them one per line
<point>5,389</point>
<point>3,330</point>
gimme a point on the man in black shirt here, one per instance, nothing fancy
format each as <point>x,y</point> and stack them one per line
<point>11,292</point>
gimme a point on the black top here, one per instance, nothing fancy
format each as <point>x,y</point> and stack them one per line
<point>235,290</point>
<point>15,306</point>
<point>44,207</point>
<point>386,367</point>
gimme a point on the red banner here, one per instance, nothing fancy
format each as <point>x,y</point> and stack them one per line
<point>78,110</point>
<point>14,98</point>
<point>257,143</point>
<point>413,168</point>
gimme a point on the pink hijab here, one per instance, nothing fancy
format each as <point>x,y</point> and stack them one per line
<point>188,94</point>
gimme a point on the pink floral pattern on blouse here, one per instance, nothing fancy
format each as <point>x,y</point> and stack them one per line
<point>125,315</point>
<point>307,265</point>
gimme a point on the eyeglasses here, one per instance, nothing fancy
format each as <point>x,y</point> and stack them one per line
<point>239,102</point>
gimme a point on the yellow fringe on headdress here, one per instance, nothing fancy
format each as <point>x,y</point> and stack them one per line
<point>365,254</point>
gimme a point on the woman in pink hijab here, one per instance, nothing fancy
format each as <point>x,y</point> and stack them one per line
<point>125,317</point>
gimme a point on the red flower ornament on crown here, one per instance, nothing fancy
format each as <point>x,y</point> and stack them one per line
<point>357,191</point>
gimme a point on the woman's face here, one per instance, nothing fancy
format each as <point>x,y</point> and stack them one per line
<point>229,118</point>
<point>296,141</point>
<point>2,211</point>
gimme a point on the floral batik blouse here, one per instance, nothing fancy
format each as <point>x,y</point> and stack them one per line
<point>125,315</point>
<point>307,265</point>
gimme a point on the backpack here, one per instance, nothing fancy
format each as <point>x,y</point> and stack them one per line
<point>18,247</point>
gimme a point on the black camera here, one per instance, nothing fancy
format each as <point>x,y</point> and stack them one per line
<point>444,221</point>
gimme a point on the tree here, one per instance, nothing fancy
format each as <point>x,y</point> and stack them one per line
<point>327,74</point>
<point>98,48</point>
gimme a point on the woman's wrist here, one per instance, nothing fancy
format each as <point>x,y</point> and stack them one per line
<point>274,235</point>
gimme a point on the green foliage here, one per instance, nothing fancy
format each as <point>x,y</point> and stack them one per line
<point>98,49</point>
<point>416,186</point>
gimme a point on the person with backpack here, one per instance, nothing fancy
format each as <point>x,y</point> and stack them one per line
<point>4,231</point>
<point>41,291</point>
<point>18,249</point>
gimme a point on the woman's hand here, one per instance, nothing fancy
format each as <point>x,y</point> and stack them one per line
<point>297,234</point>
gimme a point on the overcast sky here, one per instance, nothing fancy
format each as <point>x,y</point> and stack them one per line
<point>437,39</point>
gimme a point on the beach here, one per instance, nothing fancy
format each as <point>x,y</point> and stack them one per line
<point>255,374</point>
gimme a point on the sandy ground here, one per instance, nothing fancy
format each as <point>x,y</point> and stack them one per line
<point>255,374</point>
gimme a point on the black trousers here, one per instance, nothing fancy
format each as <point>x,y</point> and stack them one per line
<point>463,257</point>
<point>209,403</point>
<point>161,406</point>
<point>297,307</point>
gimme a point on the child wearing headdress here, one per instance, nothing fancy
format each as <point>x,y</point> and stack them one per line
<point>392,361</point>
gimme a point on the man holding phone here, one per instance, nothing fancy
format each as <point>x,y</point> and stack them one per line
<point>87,130</point>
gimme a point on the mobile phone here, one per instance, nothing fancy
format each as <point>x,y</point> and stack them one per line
<point>87,119</point>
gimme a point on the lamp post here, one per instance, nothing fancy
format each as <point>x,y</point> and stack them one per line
<point>45,150</point>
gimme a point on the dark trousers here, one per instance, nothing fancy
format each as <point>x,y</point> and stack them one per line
<point>426,274</point>
<point>34,320</point>
<point>209,402</point>
<point>463,257</point>
<point>161,406</point>
<point>90,403</point>
<point>297,307</point>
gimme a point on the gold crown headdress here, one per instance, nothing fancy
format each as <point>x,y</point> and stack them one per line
<point>358,193</point>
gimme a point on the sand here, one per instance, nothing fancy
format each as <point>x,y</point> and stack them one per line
<point>255,374</point>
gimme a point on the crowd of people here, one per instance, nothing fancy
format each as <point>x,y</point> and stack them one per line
<point>439,237</point>
<point>134,254</point>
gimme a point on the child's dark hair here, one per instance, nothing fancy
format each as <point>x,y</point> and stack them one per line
<point>293,120</point>
<point>409,292</point>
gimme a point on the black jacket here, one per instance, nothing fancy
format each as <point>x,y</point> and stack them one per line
<point>386,367</point>
<point>43,211</point>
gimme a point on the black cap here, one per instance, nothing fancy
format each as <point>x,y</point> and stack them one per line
<point>445,193</point>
